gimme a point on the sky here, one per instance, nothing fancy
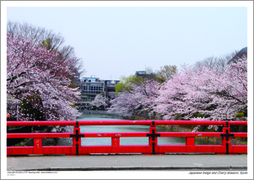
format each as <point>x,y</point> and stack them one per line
<point>118,41</point>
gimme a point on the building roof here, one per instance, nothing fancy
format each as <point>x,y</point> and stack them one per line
<point>240,54</point>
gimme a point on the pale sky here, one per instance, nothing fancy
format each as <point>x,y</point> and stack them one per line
<point>118,41</point>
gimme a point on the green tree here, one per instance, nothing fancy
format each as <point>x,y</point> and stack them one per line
<point>122,85</point>
<point>165,73</point>
<point>48,44</point>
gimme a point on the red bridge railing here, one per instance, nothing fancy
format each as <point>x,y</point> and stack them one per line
<point>115,147</point>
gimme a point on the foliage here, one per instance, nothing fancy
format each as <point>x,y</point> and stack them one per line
<point>217,96</point>
<point>240,114</point>
<point>165,73</point>
<point>123,84</point>
<point>52,42</point>
<point>215,62</point>
<point>99,101</point>
<point>138,99</point>
<point>191,94</point>
<point>31,108</point>
<point>34,70</point>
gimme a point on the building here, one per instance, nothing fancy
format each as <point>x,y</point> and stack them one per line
<point>110,88</point>
<point>90,87</point>
<point>90,79</point>
<point>144,74</point>
<point>242,53</point>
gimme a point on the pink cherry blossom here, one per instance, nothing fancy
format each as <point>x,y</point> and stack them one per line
<point>138,100</point>
<point>203,94</point>
<point>217,96</point>
<point>31,69</point>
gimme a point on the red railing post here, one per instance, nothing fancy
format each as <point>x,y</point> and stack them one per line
<point>190,143</point>
<point>226,137</point>
<point>153,142</point>
<point>37,145</point>
<point>76,138</point>
<point>115,141</point>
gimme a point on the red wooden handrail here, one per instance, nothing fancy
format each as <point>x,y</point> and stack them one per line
<point>115,147</point>
<point>114,122</point>
<point>124,134</point>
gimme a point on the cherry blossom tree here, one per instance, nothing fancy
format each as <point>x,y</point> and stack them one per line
<point>99,101</point>
<point>205,93</point>
<point>51,41</point>
<point>32,69</point>
<point>31,108</point>
<point>138,99</point>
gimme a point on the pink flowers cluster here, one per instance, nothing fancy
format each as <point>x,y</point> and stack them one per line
<point>203,94</point>
<point>32,69</point>
<point>137,100</point>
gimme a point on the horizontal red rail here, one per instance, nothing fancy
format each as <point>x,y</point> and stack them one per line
<point>41,123</point>
<point>115,147</point>
<point>198,134</point>
<point>38,135</point>
<point>120,134</point>
<point>139,122</point>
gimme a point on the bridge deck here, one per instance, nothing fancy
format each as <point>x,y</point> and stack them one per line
<point>128,162</point>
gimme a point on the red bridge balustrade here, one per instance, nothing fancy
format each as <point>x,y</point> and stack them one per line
<point>115,147</point>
